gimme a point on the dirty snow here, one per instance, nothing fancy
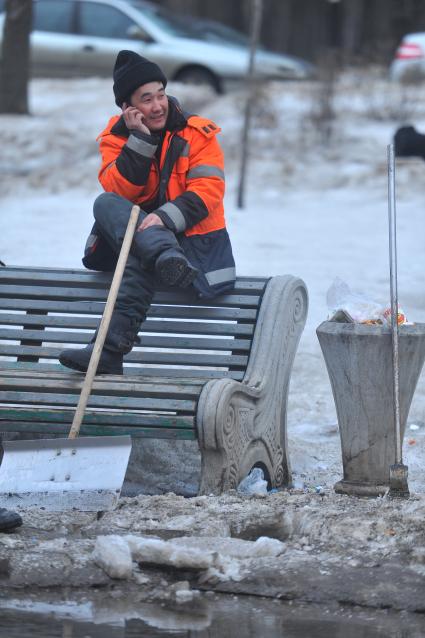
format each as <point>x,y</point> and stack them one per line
<point>313,209</point>
<point>289,545</point>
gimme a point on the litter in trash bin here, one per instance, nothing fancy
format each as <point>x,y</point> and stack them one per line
<point>401,317</point>
<point>347,306</point>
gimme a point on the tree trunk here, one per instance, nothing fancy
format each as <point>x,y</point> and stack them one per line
<point>353,16</point>
<point>15,56</point>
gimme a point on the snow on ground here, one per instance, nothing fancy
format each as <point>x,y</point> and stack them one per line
<point>312,209</point>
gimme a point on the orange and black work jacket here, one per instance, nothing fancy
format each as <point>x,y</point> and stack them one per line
<point>179,175</point>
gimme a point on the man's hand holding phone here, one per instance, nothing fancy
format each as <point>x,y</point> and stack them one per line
<point>133,119</point>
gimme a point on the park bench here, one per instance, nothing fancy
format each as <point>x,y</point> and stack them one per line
<point>213,370</point>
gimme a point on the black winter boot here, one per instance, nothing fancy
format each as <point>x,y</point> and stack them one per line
<point>120,339</point>
<point>9,520</point>
<point>158,245</point>
<point>78,359</point>
<point>174,269</point>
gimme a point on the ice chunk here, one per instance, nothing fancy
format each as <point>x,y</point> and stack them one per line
<point>112,554</point>
<point>265,546</point>
<point>152,550</point>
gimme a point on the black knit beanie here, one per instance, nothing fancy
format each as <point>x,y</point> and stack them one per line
<point>131,71</point>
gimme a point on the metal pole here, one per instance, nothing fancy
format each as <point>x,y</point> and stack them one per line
<point>394,296</point>
<point>256,14</point>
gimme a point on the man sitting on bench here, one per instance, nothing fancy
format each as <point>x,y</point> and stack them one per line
<point>171,165</point>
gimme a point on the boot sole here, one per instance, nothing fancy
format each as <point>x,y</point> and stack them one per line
<point>176,272</point>
<point>74,365</point>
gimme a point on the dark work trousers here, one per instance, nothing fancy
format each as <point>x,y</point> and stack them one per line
<point>112,213</point>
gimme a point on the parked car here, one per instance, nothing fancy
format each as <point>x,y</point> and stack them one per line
<point>218,32</point>
<point>409,60</point>
<point>82,37</point>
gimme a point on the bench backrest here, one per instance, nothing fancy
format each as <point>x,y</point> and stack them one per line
<point>43,310</point>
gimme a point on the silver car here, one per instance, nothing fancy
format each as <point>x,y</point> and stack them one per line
<point>82,37</point>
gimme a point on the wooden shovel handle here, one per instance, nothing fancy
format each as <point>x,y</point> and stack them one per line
<point>104,323</point>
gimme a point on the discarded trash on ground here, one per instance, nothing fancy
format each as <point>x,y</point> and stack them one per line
<point>347,306</point>
<point>253,483</point>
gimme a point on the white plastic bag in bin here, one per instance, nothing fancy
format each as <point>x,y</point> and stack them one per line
<point>357,307</point>
<point>346,305</point>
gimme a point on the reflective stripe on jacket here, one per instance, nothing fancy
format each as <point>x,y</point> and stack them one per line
<point>185,187</point>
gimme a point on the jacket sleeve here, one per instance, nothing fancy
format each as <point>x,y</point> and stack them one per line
<point>204,185</point>
<point>126,163</point>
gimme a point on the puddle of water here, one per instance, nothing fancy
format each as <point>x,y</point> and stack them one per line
<point>206,617</point>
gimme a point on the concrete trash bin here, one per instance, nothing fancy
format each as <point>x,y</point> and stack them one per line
<point>359,362</point>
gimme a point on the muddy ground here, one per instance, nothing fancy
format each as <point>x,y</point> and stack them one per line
<point>293,545</point>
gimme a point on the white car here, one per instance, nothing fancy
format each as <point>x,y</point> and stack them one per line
<point>409,60</point>
<point>83,37</point>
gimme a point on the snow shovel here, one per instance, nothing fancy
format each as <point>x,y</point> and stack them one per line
<point>398,471</point>
<point>84,474</point>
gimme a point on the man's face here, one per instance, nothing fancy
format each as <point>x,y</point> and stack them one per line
<point>151,100</point>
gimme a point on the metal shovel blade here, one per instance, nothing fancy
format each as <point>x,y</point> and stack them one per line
<point>398,481</point>
<point>61,474</point>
